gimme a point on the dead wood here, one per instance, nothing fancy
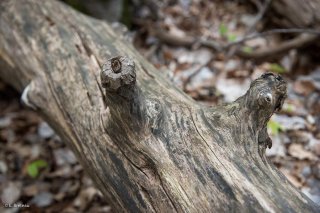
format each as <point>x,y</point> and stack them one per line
<point>147,145</point>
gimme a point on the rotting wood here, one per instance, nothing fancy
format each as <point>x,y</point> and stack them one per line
<point>147,145</point>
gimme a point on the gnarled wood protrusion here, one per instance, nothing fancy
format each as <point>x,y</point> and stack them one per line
<point>119,76</point>
<point>265,96</point>
<point>147,145</point>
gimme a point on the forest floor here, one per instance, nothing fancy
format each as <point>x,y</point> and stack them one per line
<point>36,167</point>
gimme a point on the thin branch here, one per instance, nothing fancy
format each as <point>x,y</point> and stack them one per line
<point>260,15</point>
<point>271,52</point>
<point>257,3</point>
<point>271,32</point>
<point>308,36</point>
<point>262,10</point>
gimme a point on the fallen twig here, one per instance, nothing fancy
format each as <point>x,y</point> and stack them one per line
<point>309,36</point>
<point>271,52</point>
<point>271,32</point>
<point>262,10</point>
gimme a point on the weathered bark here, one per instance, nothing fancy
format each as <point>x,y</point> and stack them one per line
<point>148,146</point>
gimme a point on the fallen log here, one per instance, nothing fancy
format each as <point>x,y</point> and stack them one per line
<point>147,145</point>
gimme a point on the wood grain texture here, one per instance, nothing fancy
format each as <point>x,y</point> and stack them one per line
<point>147,145</point>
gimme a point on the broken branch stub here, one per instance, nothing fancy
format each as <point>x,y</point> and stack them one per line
<point>118,75</point>
<point>265,96</point>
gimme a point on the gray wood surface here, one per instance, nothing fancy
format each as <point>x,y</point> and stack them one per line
<point>147,145</point>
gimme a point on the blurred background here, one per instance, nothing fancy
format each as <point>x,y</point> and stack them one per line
<point>212,50</point>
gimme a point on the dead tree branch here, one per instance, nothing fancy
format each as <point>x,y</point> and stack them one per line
<point>147,145</point>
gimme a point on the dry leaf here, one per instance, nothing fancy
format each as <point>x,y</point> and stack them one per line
<point>298,151</point>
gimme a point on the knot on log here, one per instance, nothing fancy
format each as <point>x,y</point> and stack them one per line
<point>267,94</point>
<point>35,95</point>
<point>118,72</point>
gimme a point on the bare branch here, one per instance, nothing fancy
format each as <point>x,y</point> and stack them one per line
<point>263,9</point>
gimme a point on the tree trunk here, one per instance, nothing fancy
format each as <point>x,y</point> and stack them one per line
<point>147,145</point>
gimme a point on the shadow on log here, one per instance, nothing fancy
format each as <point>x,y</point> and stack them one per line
<point>147,145</point>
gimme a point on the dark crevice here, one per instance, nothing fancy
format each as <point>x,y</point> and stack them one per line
<point>148,197</point>
<point>167,194</point>
<point>146,71</point>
